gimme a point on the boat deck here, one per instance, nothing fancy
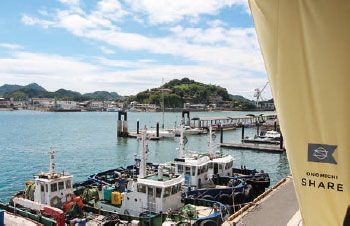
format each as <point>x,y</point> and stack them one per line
<point>12,220</point>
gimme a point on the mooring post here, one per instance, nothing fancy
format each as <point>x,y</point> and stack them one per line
<point>242,132</point>
<point>281,142</point>
<point>221,134</point>
<point>275,125</point>
<point>125,125</point>
<point>119,125</point>
<point>138,127</point>
<point>257,129</point>
<point>188,119</point>
<point>157,129</point>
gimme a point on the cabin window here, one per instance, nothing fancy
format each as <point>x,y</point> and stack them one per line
<point>150,191</point>
<point>193,171</point>
<point>47,188</point>
<point>60,185</point>
<point>180,168</point>
<point>54,187</point>
<point>179,187</point>
<point>167,191</point>
<point>188,170</point>
<point>42,188</point>
<point>158,192</point>
<point>220,166</point>
<point>68,184</point>
<point>206,168</point>
<point>202,169</point>
<point>174,189</point>
<point>210,165</point>
<point>141,188</point>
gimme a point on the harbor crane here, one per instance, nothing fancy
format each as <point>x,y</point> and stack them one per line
<point>258,95</point>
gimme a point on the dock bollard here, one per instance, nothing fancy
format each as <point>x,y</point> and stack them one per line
<point>138,127</point>
<point>257,129</point>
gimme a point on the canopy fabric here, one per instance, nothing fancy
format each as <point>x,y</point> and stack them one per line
<point>306,50</point>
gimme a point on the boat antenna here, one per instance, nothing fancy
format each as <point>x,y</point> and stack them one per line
<point>52,160</point>
<point>142,173</point>
<point>182,143</point>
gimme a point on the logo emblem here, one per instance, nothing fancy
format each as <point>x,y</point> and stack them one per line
<point>321,153</point>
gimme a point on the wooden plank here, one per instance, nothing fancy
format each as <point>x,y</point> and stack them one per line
<point>253,147</point>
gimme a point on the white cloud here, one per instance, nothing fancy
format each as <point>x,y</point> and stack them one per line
<point>216,23</point>
<point>55,71</point>
<point>106,50</point>
<point>231,54</point>
<point>170,11</point>
<point>10,46</point>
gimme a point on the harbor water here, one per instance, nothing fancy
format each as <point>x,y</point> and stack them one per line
<point>87,142</point>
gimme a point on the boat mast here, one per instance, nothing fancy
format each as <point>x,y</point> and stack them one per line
<point>182,143</point>
<point>52,159</point>
<point>210,142</point>
<point>142,173</point>
<point>163,102</point>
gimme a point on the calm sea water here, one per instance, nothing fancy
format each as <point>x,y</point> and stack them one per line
<point>86,142</point>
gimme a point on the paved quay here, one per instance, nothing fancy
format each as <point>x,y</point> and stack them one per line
<point>280,207</point>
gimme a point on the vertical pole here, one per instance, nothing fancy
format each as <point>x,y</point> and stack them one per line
<point>157,129</point>
<point>138,126</point>
<point>119,125</point>
<point>125,125</point>
<point>221,134</point>
<point>275,125</point>
<point>188,119</point>
<point>242,132</point>
<point>281,142</point>
<point>257,128</point>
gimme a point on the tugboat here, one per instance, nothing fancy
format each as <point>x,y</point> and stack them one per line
<point>47,195</point>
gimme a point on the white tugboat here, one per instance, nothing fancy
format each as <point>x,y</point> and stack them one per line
<point>154,193</point>
<point>48,193</point>
<point>198,168</point>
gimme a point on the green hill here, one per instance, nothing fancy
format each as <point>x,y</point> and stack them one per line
<point>26,93</point>
<point>177,92</point>
<point>9,88</point>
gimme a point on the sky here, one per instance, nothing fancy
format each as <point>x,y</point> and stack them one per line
<point>128,46</point>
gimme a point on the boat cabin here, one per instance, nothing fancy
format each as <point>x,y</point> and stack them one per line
<point>194,169</point>
<point>53,189</point>
<point>221,166</point>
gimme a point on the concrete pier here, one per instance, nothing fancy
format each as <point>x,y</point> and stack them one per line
<point>278,207</point>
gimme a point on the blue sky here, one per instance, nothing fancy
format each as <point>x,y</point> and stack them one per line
<point>129,45</point>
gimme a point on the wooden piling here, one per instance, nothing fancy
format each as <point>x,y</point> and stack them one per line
<point>138,127</point>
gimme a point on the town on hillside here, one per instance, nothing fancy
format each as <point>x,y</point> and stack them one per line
<point>176,95</point>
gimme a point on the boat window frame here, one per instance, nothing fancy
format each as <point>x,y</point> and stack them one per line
<point>68,184</point>
<point>188,170</point>
<point>174,189</point>
<point>148,190</point>
<point>158,194</point>
<point>179,166</point>
<point>61,185</point>
<point>165,192</point>
<point>141,188</point>
<point>53,187</point>
<point>194,169</point>
<point>42,188</point>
